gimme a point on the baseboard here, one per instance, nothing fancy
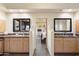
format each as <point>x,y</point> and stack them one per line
<point>66,54</point>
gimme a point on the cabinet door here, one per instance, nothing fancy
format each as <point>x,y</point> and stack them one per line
<point>1,46</point>
<point>25,44</point>
<point>77,45</point>
<point>69,45</point>
<point>16,45</point>
<point>6,45</point>
<point>58,45</point>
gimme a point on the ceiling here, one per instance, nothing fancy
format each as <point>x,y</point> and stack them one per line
<point>42,7</point>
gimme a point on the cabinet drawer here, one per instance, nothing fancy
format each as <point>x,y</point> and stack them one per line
<point>1,46</point>
<point>77,45</point>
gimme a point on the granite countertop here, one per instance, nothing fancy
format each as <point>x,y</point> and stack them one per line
<point>14,35</point>
<point>64,36</point>
<point>67,35</point>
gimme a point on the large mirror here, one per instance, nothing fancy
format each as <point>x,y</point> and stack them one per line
<point>21,24</point>
<point>62,24</point>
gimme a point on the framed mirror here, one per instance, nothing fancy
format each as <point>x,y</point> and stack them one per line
<point>62,24</point>
<point>21,25</point>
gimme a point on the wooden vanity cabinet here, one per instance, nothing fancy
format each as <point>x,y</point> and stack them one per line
<point>1,45</point>
<point>58,45</point>
<point>69,45</point>
<point>65,45</point>
<point>19,45</point>
<point>77,45</point>
<point>25,44</point>
<point>15,44</point>
<point>6,44</point>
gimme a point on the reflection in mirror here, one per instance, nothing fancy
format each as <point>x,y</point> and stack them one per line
<point>21,25</point>
<point>24,25</point>
<point>62,25</point>
<point>17,25</point>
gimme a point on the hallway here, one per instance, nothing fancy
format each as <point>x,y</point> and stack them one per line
<point>41,49</point>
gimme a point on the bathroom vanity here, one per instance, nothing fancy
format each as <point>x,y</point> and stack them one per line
<point>67,44</point>
<point>14,44</point>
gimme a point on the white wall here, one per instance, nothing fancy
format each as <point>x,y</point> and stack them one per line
<point>2,13</point>
<point>76,17</point>
<point>32,37</point>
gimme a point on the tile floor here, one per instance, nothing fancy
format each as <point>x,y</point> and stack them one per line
<point>41,49</point>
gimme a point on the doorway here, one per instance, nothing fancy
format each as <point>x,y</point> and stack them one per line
<point>41,37</point>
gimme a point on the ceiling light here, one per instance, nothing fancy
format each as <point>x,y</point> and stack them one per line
<point>12,10</point>
<point>23,10</point>
<point>18,10</point>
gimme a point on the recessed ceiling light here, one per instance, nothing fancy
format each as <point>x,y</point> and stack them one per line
<point>12,10</point>
<point>18,10</point>
<point>23,10</point>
